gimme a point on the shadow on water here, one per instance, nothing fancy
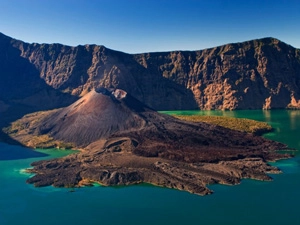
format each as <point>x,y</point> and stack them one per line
<point>14,152</point>
<point>7,139</point>
<point>22,91</point>
<point>11,149</point>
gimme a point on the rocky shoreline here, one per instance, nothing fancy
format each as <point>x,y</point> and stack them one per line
<point>124,142</point>
<point>77,171</point>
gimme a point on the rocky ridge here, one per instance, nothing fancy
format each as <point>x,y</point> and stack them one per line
<point>257,74</point>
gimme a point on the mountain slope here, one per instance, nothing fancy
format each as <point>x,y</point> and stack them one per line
<point>21,88</point>
<point>256,74</point>
<point>95,116</point>
<point>125,142</point>
<point>77,70</point>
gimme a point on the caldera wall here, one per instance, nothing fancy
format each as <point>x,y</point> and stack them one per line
<point>257,74</point>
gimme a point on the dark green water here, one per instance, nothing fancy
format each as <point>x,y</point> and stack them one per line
<point>252,202</point>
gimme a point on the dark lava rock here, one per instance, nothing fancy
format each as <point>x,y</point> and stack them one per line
<point>124,142</point>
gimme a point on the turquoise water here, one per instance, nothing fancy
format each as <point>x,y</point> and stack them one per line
<point>251,202</point>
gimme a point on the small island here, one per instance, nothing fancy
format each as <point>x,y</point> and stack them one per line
<point>124,142</point>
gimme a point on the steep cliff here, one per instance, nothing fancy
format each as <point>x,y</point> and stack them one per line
<point>21,88</point>
<point>255,74</point>
<point>78,70</point>
<point>250,75</point>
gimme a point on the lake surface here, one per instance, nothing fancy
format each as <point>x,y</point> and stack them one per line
<point>251,202</point>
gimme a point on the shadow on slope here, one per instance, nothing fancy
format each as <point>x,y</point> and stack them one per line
<point>22,90</point>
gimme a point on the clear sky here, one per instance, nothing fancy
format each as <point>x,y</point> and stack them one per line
<point>136,26</point>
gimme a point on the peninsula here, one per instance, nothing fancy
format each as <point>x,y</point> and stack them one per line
<point>125,142</point>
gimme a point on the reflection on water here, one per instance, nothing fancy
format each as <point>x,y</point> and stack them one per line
<point>283,121</point>
<point>294,115</point>
<point>251,202</point>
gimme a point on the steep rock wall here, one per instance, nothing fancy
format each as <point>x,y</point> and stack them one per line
<point>257,74</point>
<point>78,70</point>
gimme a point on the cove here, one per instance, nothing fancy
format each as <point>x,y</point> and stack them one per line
<point>251,202</point>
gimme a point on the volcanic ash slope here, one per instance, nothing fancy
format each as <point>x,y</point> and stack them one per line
<point>93,117</point>
<point>124,142</point>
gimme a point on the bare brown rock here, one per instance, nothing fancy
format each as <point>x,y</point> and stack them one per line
<point>124,142</point>
<point>257,74</point>
<point>250,75</point>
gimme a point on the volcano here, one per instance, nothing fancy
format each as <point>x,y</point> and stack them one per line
<point>125,142</point>
<point>96,116</point>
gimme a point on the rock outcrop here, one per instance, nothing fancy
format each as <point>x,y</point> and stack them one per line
<point>257,74</point>
<point>125,142</point>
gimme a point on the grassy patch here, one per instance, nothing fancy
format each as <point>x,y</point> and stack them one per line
<point>23,130</point>
<point>45,141</point>
<point>240,124</point>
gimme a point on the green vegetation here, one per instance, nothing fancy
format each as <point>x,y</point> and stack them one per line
<point>23,132</point>
<point>41,141</point>
<point>44,141</point>
<point>240,124</point>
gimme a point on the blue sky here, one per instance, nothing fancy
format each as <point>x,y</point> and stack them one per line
<point>136,26</point>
